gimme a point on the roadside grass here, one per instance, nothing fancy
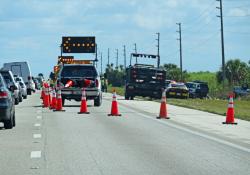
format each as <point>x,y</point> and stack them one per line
<point>216,106</point>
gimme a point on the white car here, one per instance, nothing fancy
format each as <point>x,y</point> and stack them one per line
<point>23,87</point>
<point>30,86</point>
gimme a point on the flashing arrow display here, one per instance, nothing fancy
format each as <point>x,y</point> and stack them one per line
<point>78,44</point>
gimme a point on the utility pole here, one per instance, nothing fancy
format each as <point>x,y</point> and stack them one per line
<point>158,49</point>
<point>180,39</point>
<point>222,43</point>
<point>124,54</point>
<point>135,52</point>
<point>117,58</point>
<point>108,56</point>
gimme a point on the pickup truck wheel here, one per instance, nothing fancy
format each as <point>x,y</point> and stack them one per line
<point>98,101</point>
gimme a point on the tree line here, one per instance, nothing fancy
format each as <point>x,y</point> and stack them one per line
<point>237,73</point>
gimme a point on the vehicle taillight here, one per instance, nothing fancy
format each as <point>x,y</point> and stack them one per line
<point>96,83</point>
<point>3,95</point>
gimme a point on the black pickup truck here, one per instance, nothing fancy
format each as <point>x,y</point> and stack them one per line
<point>72,78</point>
<point>144,80</point>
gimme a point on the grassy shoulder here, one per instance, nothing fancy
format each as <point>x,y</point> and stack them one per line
<point>241,107</point>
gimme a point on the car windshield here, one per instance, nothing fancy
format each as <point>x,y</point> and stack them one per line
<point>79,71</point>
<point>190,85</point>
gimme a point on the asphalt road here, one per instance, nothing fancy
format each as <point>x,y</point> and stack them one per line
<point>67,143</point>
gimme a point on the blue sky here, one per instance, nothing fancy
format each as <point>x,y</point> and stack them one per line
<point>31,30</point>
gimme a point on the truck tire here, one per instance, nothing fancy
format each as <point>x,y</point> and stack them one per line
<point>98,101</point>
<point>63,101</point>
<point>126,96</point>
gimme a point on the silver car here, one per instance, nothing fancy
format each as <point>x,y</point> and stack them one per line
<point>11,83</point>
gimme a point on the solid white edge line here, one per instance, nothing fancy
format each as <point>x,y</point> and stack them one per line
<point>35,154</point>
<point>196,133</point>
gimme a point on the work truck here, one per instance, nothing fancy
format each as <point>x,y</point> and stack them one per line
<point>74,75</point>
<point>144,80</point>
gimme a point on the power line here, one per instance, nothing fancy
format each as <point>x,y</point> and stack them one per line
<point>204,12</point>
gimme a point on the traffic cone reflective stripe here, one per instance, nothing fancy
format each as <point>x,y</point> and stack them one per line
<point>163,108</point>
<point>83,108</point>
<point>230,112</point>
<point>114,107</point>
<point>59,102</point>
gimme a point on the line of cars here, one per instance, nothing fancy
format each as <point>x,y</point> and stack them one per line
<point>194,89</point>
<point>15,85</point>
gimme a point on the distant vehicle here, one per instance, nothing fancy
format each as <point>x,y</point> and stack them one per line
<point>167,82</point>
<point>37,84</point>
<point>21,69</point>
<point>241,91</point>
<point>23,86</point>
<point>144,80</point>
<point>197,89</point>
<point>177,90</point>
<point>7,106</point>
<point>72,78</point>
<point>31,87</point>
<point>11,82</point>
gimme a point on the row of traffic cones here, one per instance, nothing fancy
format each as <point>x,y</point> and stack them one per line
<point>56,104</point>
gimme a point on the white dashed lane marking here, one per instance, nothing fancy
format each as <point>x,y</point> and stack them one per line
<point>37,136</point>
<point>37,124</point>
<point>39,117</point>
<point>35,154</point>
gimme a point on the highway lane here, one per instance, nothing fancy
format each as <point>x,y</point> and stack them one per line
<point>135,143</point>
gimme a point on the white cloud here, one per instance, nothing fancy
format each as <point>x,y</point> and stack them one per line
<point>238,12</point>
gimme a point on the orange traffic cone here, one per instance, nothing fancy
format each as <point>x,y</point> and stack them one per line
<point>46,97</point>
<point>163,109</point>
<point>59,102</point>
<point>230,112</point>
<point>83,108</point>
<point>53,102</point>
<point>114,107</point>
